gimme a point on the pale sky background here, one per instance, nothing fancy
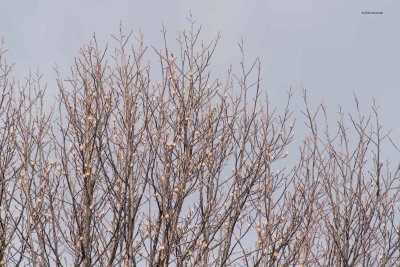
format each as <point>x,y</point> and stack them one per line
<point>329,47</point>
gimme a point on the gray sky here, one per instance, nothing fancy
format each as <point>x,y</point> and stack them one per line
<point>329,47</point>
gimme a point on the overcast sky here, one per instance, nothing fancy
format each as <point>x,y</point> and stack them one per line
<point>329,47</point>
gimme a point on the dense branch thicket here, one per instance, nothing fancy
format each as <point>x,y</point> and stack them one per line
<point>136,166</point>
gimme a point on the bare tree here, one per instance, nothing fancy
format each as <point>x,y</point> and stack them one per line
<point>359,194</point>
<point>9,217</point>
<point>165,166</point>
